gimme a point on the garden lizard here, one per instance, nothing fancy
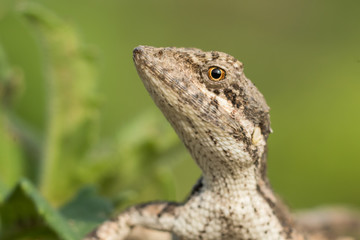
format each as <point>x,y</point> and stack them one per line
<point>223,120</point>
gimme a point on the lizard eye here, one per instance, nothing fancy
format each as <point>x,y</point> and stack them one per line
<point>216,74</point>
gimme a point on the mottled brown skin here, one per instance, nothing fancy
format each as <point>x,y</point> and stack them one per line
<point>225,125</point>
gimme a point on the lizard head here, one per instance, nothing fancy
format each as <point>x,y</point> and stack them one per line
<point>208,100</point>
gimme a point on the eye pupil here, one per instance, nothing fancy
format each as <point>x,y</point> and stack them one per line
<point>216,73</point>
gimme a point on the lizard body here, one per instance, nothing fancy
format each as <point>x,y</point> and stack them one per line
<point>223,120</point>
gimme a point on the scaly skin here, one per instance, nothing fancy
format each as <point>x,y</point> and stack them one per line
<point>224,125</point>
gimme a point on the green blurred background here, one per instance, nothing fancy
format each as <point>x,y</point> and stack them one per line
<point>304,56</point>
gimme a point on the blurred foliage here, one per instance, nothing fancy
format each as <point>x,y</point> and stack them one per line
<point>67,155</point>
<point>71,103</point>
<point>74,115</point>
<point>26,215</point>
<point>9,149</point>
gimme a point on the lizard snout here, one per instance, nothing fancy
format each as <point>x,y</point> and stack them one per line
<point>137,52</point>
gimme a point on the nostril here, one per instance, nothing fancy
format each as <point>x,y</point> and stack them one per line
<point>137,51</point>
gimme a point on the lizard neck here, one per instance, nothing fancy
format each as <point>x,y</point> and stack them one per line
<point>234,185</point>
<point>234,168</point>
<point>235,181</point>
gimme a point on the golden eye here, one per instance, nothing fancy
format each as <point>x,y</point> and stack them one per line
<point>216,74</point>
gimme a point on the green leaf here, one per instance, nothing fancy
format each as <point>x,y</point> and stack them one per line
<point>86,211</point>
<point>11,161</point>
<point>26,215</point>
